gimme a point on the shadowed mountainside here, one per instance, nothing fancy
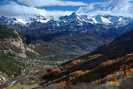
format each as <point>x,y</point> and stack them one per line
<point>107,63</point>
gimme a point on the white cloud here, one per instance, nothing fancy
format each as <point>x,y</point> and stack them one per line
<point>15,10</point>
<point>57,13</point>
<point>40,3</point>
<point>111,7</point>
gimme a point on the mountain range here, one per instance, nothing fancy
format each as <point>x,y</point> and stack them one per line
<point>69,36</point>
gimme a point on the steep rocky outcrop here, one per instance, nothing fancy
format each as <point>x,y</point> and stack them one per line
<point>14,53</point>
<point>12,47</point>
<point>10,43</point>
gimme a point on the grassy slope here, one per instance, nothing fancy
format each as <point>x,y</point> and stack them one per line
<point>10,65</point>
<point>7,32</point>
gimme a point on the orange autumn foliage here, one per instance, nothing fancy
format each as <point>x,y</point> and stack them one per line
<point>75,62</point>
<point>56,69</point>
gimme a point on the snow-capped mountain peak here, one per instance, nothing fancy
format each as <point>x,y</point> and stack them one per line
<point>105,20</point>
<point>73,20</point>
<point>94,20</point>
<point>21,21</point>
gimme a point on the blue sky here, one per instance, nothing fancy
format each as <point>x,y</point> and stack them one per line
<point>56,8</point>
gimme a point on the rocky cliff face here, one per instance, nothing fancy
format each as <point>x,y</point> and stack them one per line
<point>13,53</point>
<point>11,43</point>
<point>12,47</point>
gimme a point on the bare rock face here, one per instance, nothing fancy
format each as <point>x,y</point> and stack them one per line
<point>11,44</point>
<point>12,47</point>
<point>2,78</point>
<point>18,43</point>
